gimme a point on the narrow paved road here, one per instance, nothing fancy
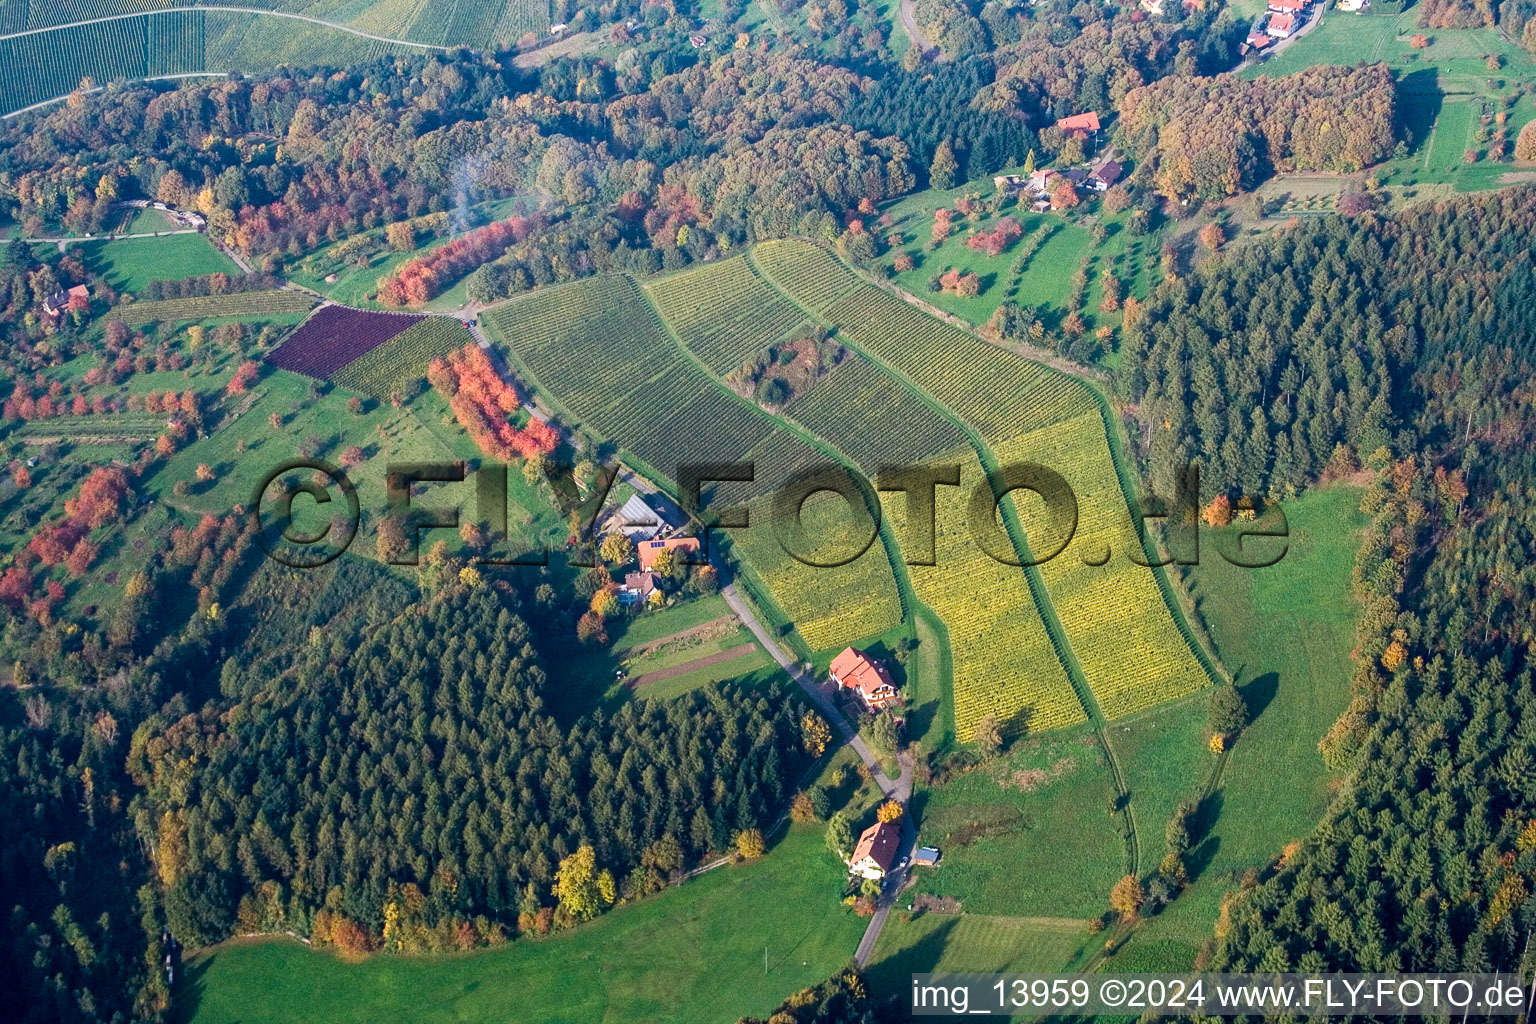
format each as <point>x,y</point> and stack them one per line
<point>101,238</point>
<point>909,24</point>
<point>900,790</point>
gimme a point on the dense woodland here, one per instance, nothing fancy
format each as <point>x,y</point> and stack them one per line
<point>1396,345</point>
<point>369,761</point>
<point>1216,137</point>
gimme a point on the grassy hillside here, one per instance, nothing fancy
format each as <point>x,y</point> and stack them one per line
<point>643,962</point>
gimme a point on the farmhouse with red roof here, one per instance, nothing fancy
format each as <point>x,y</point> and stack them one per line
<point>1281,25</point>
<point>648,550</point>
<point>1078,126</point>
<point>865,676</point>
<point>876,850</point>
<point>1288,6</point>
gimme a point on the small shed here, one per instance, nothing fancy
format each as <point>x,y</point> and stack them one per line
<point>926,856</point>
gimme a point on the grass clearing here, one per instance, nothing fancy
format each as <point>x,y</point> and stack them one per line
<point>1285,632</point>
<point>630,964</point>
<point>128,264</point>
<point>1027,834</point>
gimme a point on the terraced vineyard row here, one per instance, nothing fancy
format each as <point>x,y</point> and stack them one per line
<point>832,607</point>
<point>811,276</point>
<point>1004,662</point>
<point>872,419</point>
<point>999,394</point>
<point>724,312</point>
<point>1114,615</point>
<point>404,357</point>
<point>204,307</point>
<point>599,348</point>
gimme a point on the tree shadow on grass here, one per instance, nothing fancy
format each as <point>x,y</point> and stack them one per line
<point>1258,693</point>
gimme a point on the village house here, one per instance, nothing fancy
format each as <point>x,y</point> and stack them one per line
<point>1105,175</point>
<point>1258,39</point>
<point>876,850</point>
<point>647,551</point>
<point>1080,126</point>
<point>638,588</point>
<point>59,301</point>
<point>865,676</point>
<point>1292,7</point>
<point>1281,26</point>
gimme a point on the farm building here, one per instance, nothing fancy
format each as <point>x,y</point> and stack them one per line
<point>926,856</point>
<point>1080,126</point>
<point>1281,26</point>
<point>866,676</point>
<point>1258,39</point>
<point>638,587</point>
<point>875,850</point>
<point>636,519</point>
<point>1288,6</point>
<point>648,550</point>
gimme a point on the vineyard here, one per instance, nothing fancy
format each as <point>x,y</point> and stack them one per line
<point>206,307</point>
<point>1114,615</point>
<point>804,272</point>
<point>873,419</point>
<point>403,358</point>
<point>51,63</point>
<point>600,349</point>
<point>998,393</point>
<point>1004,662</point>
<point>334,336</point>
<point>724,312</point>
<point>832,607</point>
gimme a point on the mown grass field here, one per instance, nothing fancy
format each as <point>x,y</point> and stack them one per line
<point>128,264</point>
<point>1285,632</point>
<point>643,962</point>
<point>930,942</point>
<point>1027,834</point>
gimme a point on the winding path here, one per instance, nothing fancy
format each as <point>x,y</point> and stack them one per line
<point>906,10</point>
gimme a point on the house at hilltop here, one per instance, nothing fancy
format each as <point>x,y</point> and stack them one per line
<point>875,851</point>
<point>865,676</point>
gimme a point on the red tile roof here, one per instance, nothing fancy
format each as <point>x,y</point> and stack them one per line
<point>879,843</point>
<point>1292,6</point>
<point>1281,22</point>
<point>855,670</point>
<point>1081,122</point>
<point>649,549</point>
